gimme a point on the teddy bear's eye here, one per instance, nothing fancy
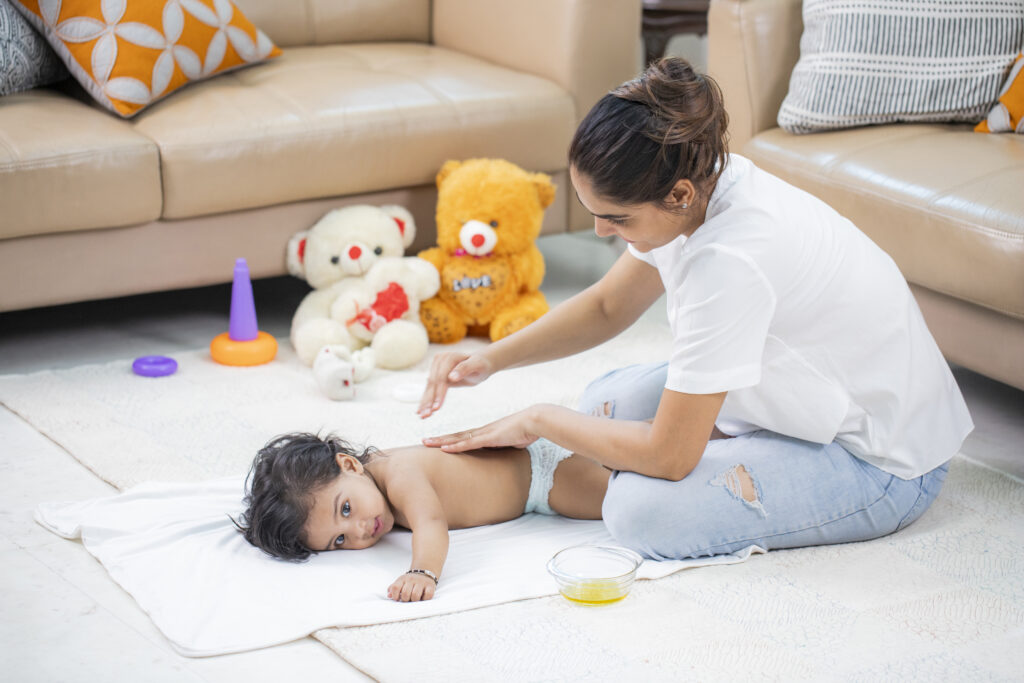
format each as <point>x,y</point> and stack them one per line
<point>378,251</point>
<point>335,259</point>
<point>494,224</point>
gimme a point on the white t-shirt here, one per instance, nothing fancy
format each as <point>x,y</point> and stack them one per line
<point>810,327</point>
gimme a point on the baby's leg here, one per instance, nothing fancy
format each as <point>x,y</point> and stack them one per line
<point>579,488</point>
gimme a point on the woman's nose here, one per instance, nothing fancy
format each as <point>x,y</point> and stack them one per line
<point>603,229</point>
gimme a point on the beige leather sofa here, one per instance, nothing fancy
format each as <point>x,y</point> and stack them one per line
<point>946,203</point>
<point>368,100</point>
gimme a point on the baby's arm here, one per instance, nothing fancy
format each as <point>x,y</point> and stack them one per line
<point>414,496</point>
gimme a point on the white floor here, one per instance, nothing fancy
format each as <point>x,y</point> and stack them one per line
<point>63,619</point>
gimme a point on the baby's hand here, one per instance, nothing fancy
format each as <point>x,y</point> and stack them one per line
<point>412,588</point>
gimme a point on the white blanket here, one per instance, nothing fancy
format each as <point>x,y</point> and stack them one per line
<point>173,547</point>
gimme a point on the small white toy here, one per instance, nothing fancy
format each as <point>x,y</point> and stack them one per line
<point>337,369</point>
<point>364,291</point>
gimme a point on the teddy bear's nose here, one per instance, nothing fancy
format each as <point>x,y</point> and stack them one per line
<point>354,253</point>
<point>478,241</point>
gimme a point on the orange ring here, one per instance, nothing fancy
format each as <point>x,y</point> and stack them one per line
<point>258,351</point>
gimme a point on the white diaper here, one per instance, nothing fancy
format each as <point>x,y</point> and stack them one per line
<point>544,459</point>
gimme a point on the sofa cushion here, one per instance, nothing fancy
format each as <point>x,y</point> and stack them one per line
<point>130,53</point>
<point>346,119</point>
<point>329,22</point>
<point>873,61</point>
<point>943,201</point>
<point>65,165</point>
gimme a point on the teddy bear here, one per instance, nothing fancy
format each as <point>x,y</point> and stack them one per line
<point>365,292</point>
<point>489,214</point>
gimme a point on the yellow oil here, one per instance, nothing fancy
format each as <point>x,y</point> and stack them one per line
<point>594,592</point>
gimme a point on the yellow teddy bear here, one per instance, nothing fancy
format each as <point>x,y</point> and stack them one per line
<point>489,213</point>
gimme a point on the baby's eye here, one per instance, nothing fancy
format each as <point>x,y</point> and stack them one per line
<point>339,541</point>
<point>345,508</point>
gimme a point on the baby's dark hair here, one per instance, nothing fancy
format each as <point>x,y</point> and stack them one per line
<point>643,137</point>
<point>280,486</point>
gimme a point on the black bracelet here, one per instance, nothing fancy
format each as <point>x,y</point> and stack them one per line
<point>425,572</point>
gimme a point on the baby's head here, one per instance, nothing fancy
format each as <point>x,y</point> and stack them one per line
<point>307,493</point>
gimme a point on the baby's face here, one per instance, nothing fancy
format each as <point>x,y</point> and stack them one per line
<point>350,513</point>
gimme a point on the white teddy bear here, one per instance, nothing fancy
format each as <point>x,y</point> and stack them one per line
<point>364,291</point>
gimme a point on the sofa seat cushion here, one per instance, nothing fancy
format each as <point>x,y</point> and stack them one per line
<point>345,119</point>
<point>65,165</point>
<point>945,203</point>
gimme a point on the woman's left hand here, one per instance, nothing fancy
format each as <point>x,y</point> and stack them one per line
<point>515,431</point>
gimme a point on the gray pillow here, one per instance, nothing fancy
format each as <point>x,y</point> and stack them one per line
<point>26,59</point>
<point>882,61</point>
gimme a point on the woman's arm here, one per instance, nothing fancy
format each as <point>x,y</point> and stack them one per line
<point>593,316</point>
<point>669,447</point>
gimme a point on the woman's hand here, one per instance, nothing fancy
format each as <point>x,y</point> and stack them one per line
<point>516,431</point>
<point>412,588</point>
<point>452,369</point>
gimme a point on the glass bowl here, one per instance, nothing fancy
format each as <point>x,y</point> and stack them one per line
<point>594,574</point>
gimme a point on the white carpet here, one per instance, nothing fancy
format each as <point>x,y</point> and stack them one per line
<point>941,600</point>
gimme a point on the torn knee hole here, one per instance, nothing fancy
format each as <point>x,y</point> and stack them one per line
<point>746,484</point>
<point>606,409</point>
<point>739,482</point>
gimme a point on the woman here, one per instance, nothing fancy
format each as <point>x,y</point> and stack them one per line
<point>793,333</point>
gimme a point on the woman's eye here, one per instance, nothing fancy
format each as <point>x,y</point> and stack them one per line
<point>616,221</point>
<point>339,541</point>
<point>346,508</point>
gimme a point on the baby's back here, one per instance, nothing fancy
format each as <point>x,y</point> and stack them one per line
<point>485,486</point>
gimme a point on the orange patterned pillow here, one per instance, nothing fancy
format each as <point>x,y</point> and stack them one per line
<point>130,53</point>
<point>1008,114</point>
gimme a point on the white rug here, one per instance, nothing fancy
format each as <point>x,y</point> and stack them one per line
<point>208,420</point>
<point>941,600</point>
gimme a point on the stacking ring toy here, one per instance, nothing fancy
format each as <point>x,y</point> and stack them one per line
<point>243,343</point>
<point>154,366</point>
<point>240,352</point>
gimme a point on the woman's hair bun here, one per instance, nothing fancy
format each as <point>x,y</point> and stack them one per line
<point>687,105</point>
<point>663,126</point>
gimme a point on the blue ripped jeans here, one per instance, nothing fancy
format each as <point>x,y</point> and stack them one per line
<point>760,488</point>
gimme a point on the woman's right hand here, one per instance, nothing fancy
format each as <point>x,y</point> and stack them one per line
<point>452,369</point>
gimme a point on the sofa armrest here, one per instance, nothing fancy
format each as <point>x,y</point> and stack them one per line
<point>753,46</point>
<point>586,46</point>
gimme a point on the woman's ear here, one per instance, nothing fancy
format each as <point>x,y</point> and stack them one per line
<point>348,463</point>
<point>683,195</point>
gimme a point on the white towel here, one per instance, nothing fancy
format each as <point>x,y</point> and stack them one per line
<point>173,547</point>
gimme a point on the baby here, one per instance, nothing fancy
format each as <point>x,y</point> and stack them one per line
<point>308,494</point>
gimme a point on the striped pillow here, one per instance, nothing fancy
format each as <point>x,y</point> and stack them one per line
<point>882,61</point>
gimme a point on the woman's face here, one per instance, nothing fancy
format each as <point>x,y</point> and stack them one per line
<point>645,226</point>
<point>349,513</point>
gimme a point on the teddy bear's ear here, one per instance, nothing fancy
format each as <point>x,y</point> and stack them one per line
<point>446,170</point>
<point>296,254</point>
<point>545,189</point>
<point>405,222</point>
